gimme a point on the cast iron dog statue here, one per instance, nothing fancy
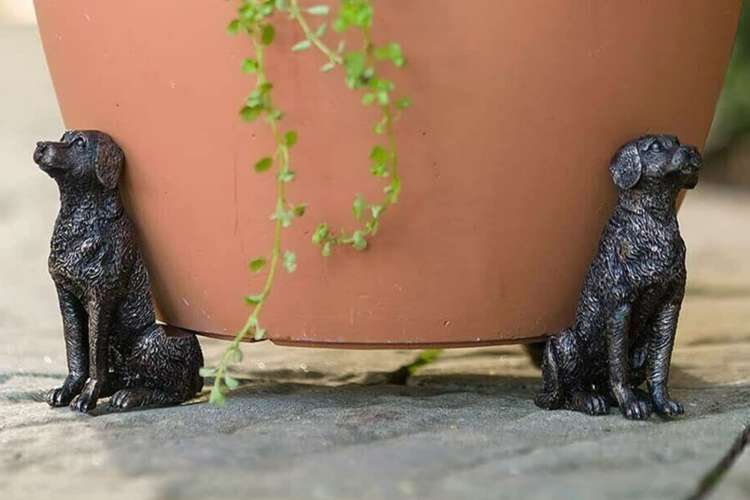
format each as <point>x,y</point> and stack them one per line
<point>627,315</point>
<point>114,346</point>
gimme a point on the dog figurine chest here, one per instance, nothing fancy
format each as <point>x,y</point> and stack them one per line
<point>648,252</point>
<point>83,249</point>
<point>653,256</point>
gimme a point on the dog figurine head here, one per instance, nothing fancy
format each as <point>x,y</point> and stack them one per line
<point>656,162</point>
<point>80,157</point>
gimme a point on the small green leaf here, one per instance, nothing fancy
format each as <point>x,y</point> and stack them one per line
<point>302,45</point>
<point>403,103</point>
<point>267,34</point>
<point>265,7</point>
<point>255,100</point>
<point>283,215</point>
<point>355,64</point>
<point>379,170</point>
<point>379,127</point>
<point>246,11</point>
<point>358,207</point>
<point>318,10</point>
<point>290,138</point>
<point>358,241</point>
<point>233,27</point>
<point>328,66</point>
<point>217,396</point>
<point>376,211</point>
<point>231,382</point>
<point>391,52</point>
<point>263,164</point>
<point>320,234</point>
<point>299,210</point>
<point>265,87</point>
<point>257,264</point>
<point>321,31</point>
<point>254,300</point>
<point>236,354</point>
<point>274,115</point>
<point>286,176</point>
<point>379,154</point>
<point>290,261</point>
<point>250,114</point>
<point>393,189</point>
<point>368,98</point>
<point>206,371</point>
<point>326,251</point>
<point>249,65</point>
<point>260,333</point>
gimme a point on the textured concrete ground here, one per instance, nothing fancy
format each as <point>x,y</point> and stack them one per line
<point>322,424</point>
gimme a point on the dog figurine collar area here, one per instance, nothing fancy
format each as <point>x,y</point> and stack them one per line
<point>626,319</point>
<point>114,345</point>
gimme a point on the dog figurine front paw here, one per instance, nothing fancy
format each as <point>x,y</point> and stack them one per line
<point>86,400</point>
<point>113,343</point>
<point>63,395</point>
<point>667,407</point>
<point>627,316</point>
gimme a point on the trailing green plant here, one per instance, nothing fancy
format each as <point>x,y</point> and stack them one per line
<point>255,19</point>
<point>402,374</point>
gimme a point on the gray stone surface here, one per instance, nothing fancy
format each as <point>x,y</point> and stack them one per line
<point>321,424</point>
<point>736,482</point>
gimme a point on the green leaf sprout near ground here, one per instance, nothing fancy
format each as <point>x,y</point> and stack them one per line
<point>255,20</point>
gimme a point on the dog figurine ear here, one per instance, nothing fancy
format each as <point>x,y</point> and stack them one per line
<point>109,162</point>
<point>626,167</point>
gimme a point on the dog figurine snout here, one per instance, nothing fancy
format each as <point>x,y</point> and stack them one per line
<point>686,162</point>
<point>41,147</point>
<point>686,159</point>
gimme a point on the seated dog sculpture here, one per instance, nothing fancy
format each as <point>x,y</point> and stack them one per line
<point>114,346</point>
<point>627,315</point>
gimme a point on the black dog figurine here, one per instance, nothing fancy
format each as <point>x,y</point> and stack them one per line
<point>627,315</point>
<point>114,346</point>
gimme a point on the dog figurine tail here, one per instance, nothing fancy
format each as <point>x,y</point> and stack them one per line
<point>551,397</point>
<point>183,345</point>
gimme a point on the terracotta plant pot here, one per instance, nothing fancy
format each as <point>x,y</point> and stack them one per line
<point>517,109</point>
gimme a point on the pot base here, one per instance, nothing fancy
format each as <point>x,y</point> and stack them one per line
<point>375,345</point>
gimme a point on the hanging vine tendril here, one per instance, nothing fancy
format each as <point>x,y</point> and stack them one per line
<point>255,20</point>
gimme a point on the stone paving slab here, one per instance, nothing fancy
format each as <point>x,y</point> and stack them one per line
<point>322,423</point>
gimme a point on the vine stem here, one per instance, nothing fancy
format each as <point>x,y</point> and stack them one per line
<point>252,19</point>
<point>296,14</point>
<point>386,109</point>
<point>282,156</point>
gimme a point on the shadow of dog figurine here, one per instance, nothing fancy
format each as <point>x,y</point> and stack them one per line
<point>627,315</point>
<point>114,346</point>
